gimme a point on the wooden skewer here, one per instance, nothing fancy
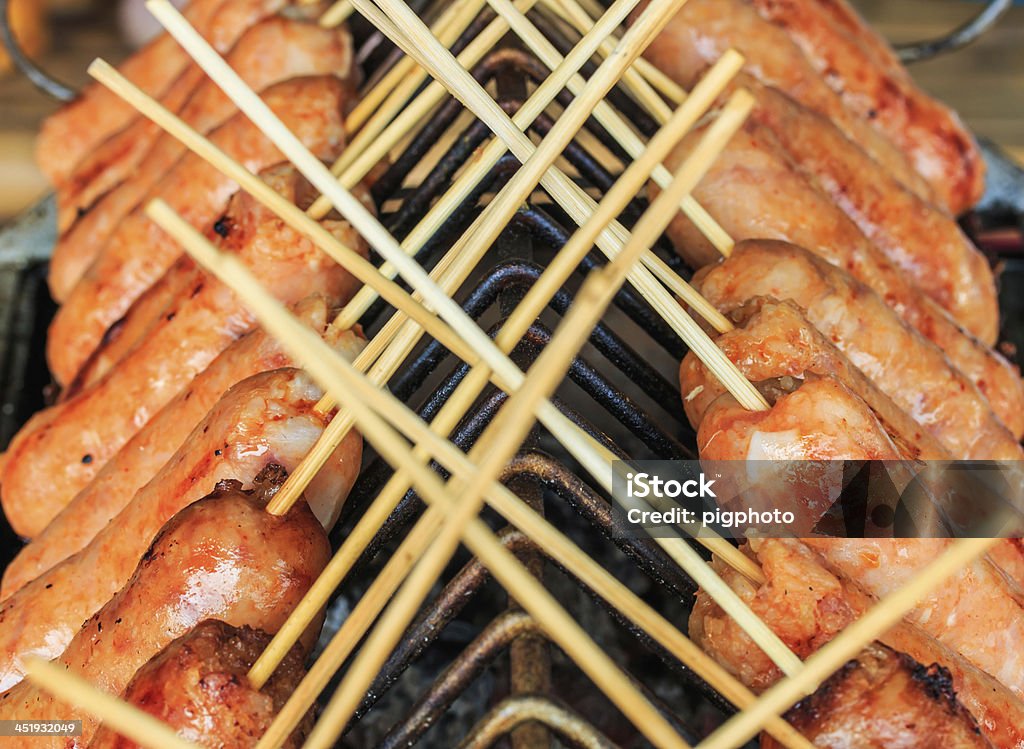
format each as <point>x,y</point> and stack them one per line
<point>505,433</point>
<point>381,134</point>
<point>337,14</point>
<point>115,713</point>
<point>582,21</point>
<point>571,196</point>
<point>847,644</point>
<point>378,107</point>
<point>577,202</point>
<point>614,123</point>
<point>562,266</point>
<point>369,404</point>
<point>337,429</point>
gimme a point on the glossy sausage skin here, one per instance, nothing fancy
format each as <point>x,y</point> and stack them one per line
<point>807,605</point>
<point>274,51</point>
<point>906,366</point>
<point>142,457</point>
<point>975,612</point>
<point>138,253</point>
<point>202,322</point>
<point>774,340</point>
<point>223,558</point>
<point>885,700</point>
<point>704,30</point>
<point>197,685</point>
<point>755,192</point>
<point>267,419</point>
<point>78,127</point>
<point>940,147</point>
<point>920,239</point>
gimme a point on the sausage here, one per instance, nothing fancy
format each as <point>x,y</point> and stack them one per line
<point>197,685</point>
<point>755,192</point>
<point>776,341</point>
<point>267,419</point>
<point>938,144</point>
<point>975,612</point>
<point>139,253</point>
<point>704,30</point>
<point>807,605</point>
<point>97,113</point>
<point>885,700</point>
<point>203,322</point>
<point>273,51</point>
<point>920,239</point>
<point>144,454</point>
<point>223,558</point>
<point>900,361</point>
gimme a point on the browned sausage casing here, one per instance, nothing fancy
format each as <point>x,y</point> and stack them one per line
<point>143,455</point>
<point>940,147</point>
<point>204,319</point>
<point>273,51</point>
<point>67,136</point>
<point>885,700</point>
<point>922,240</point>
<point>138,253</point>
<point>197,685</point>
<point>755,192</point>
<point>704,30</point>
<point>267,419</point>
<point>222,558</point>
<point>906,366</point>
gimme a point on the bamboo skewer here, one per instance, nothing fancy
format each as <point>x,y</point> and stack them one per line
<point>614,124</point>
<point>115,713</point>
<point>449,415</point>
<point>645,28</point>
<point>371,406</point>
<point>850,641</point>
<point>569,195</point>
<point>502,437</point>
<point>385,100</point>
<point>527,311</point>
<point>337,14</point>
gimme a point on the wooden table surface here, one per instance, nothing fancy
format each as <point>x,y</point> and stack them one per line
<point>984,82</point>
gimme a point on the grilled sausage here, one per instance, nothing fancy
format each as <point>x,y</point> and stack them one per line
<point>223,558</point>
<point>975,612</point>
<point>97,113</point>
<point>755,192</point>
<point>885,700</point>
<point>201,323</point>
<point>267,419</point>
<point>144,454</point>
<point>807,605</point>
<point>138,253</point>
<point>774,340</point>
<point>920,239</point>
<point>900,361</point>
<point>939,146</point>
<point>197,685</point>
<point>273,51</point>
<point>704,30</point>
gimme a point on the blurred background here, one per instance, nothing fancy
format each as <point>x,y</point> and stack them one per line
<point>984,82</point>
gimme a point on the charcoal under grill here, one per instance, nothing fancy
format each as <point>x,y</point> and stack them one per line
<point>474,670</point>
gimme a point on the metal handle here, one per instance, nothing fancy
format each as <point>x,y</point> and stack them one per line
<point>958,38</point>
<point>39,78</point>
